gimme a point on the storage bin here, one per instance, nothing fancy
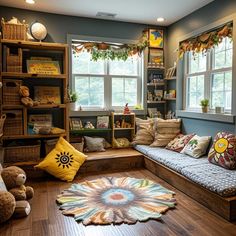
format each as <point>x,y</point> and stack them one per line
<point>13,123</point>
<point>22,152</point>
<point>14,31</point>
<point>11,94</point>
<point>14,61</point>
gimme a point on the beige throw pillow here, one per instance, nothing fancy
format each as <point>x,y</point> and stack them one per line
<point>165,131</point>
<point>197,146</point>
<point>145,133</point>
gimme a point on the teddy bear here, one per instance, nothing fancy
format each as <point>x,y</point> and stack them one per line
<point>14,179</point>
<point>25,99</point>
<point>9,206</point>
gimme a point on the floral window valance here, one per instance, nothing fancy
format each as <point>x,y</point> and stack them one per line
<point>205,41</point>
<point>112,51</point>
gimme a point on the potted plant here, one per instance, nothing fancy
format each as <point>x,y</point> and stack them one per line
<point>205,105</point>
<point>73,97</point>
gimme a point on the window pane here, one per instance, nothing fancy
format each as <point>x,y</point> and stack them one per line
<point>197,62</point>
<point>221,90</point>
<point>195,91</point>
<point>90,90</point>
<point>223,54</point>
<point>82,64</point>
<point>124,90</point>
<point>128,67</point>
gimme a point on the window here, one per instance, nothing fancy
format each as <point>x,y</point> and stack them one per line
<point>107,84</point>
<point>209,75</point>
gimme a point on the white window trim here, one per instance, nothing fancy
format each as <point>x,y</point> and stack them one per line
<point>207,81</point>
<point>107,77</point>
<point>180,102</point>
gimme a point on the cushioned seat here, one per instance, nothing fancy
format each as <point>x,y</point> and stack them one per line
<point>213,177</point>
<point>173,160</point>
<point>210,176</point>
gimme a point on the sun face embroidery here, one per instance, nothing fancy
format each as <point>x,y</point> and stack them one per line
<point>223,147</point>
<point>64,159</point>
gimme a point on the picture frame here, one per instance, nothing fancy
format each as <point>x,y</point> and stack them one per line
<point>47,94</point>
<point>40,120</point>
<point>156,56</point>
<point>45,67</point>
<point>102,122</point>
<point>156,38</point>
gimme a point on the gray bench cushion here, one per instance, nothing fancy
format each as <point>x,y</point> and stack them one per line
<point>210,176</point>
<point>213,177</point>
<point>173,160</point>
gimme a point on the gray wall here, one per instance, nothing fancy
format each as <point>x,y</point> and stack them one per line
<point>198,19</point>
<point>59,26</point>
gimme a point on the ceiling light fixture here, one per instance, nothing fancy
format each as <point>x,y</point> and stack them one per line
<point>30,1</point>
<point>160,19</point>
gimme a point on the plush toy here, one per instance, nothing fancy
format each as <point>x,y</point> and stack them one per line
<point>7,205</point>
<point>126,109</point>
<point>25,99</point>
<point>14,179</point>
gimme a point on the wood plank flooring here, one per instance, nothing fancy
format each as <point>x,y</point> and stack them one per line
<point>189,217</point>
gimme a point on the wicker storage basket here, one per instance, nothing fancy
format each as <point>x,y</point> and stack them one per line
<point>11,94</point>
<point>22,153</point>
<point>13,123</point>
<point>14,61</point>
<point>14,31</point>
<point>49,145</point>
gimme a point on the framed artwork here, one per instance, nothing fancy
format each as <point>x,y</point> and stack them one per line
<point>156,56</point>
<point>102,122</point>
<point>40,120</point>
<point>156,39</point>
<point>47,95</point>
<point>43,67</point>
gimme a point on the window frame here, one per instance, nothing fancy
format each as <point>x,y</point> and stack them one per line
<point>108,77</point>
<point>208,77</point>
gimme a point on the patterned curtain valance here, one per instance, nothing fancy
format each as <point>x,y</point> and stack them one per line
<point>112,51</point>
<point>206,40</point>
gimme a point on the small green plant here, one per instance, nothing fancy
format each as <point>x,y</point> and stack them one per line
<point>73,96</point>
<point>204,102</point>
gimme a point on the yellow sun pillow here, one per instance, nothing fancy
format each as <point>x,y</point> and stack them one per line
<point>63,161</point>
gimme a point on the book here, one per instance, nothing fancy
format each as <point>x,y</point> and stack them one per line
<point>102,122</point>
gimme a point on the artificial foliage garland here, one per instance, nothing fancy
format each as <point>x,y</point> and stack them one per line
<point>111,51</point>
<point>205,41</point>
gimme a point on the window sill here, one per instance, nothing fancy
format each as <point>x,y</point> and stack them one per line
<point>99,113</point>
<point>225,118</point>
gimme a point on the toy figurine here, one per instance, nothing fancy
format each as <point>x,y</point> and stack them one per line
<point>126,109</point>
<point>89,125</point>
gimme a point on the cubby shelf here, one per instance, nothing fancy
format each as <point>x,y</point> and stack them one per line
<point>85,131</point>
<point>32,136</point>
<point>156,102</point>
<point>46,106</point>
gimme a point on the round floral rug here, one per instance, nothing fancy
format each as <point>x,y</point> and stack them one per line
<point>115,200</point>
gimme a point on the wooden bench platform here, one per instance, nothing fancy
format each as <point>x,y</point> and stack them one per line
<point>127,159</point>
<point>112,160</point>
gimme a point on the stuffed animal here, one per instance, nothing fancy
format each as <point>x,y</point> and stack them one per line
<point>14,179</point>
<point>9,206</point>
<point>25,99</point>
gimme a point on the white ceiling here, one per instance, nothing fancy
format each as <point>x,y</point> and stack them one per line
<point>138,11</point>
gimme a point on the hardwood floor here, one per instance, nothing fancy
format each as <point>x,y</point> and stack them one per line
<point>189,217</point>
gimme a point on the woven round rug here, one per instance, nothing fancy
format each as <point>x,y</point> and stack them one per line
<point>115,200</point>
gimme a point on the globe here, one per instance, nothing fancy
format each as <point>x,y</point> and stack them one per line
<point>38,31</point>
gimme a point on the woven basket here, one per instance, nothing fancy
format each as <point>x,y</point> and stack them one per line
<point>11,94</point>
<point>14,31</point>
<point>49,145</point>
<point>13,123</point>
<point>22,153</point>
<point>14,61</point>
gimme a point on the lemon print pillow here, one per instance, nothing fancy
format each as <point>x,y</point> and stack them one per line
<point>63,161</point>
<point>223,150</point>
